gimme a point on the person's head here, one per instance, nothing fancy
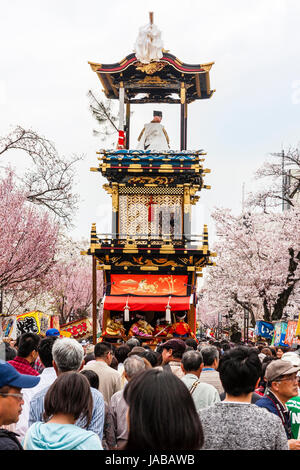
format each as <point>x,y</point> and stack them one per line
<point>12,342</point>
<point>89,357</point>
<point>162,413</point>
<point>11,399</point>
<point>104,352</point>
<point>53,332</point>
<point>264,364</point>
<point>137,350</point>
<point>173,350</point>
<point>28,344</point>
<point>114,362</point>
<point>279,352</point>
<point>192,362</point>
<point>84,343</point>
<point>67,355</point>
<point>192,343</point>
<point>240,371</point>
<point>210,356</point>
<point>10,352</point>
<point>157,116</point>
<point>281,378</point>
<point>89,349</point>
<point>158,352</point>
<point>266,351</point>
<point>121,353</point>
<point>133,365</point>
<point>70,394</point>
<point>260,346</point>
<point>45,350</point>
<point>92,377</point>
<point>225,345</point>
<point>131,342</point>
<point>273,351</point>
<point>152,357</point>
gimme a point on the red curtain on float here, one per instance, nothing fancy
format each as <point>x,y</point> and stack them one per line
<point>146,304</point>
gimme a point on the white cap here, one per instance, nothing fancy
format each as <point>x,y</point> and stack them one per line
<point>293,357</point>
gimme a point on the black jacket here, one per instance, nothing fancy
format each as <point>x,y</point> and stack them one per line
<point>9,440</point>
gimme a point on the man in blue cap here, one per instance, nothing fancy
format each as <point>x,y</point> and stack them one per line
<point>11,401</point>
<point>52,332</point>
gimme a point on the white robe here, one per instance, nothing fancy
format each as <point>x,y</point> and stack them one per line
<point>153,137</point>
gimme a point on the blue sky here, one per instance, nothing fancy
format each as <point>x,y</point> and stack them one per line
<point>46,46</point>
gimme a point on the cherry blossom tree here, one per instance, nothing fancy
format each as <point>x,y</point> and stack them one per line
<point>49,182</point>
<point>208,317</point>
<point>280,177</point>
<point>69,284</point>
<point>28,237</point>
<point>257,265</point>
<point>25,297</point>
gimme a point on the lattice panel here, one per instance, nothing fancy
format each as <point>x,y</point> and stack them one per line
<point>150,190</point>
<point>165,218</point>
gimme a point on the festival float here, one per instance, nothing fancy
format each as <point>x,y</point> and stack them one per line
<point>151,260</point>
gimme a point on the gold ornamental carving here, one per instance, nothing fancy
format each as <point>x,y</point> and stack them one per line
<point>151,68</point>
<point>115,197</point>
<point>150,180</point>
<point>107,188</point>
<point>186,199</point>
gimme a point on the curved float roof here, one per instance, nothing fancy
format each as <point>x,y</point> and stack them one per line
<point>157,82</point>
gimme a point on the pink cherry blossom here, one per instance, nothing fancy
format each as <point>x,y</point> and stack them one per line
<point>257,265</point>
<point>27,237</point>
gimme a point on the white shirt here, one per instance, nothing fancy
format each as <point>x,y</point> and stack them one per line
<point>47,377</point>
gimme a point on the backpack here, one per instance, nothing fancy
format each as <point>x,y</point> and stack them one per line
<point>193,387</point>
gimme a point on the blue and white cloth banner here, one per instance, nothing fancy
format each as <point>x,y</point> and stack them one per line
<point>264,329</point>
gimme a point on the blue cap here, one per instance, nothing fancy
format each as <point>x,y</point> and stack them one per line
<point>11,377</point>
<point>52,332</point>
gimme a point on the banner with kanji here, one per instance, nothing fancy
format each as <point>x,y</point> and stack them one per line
<point>290,336</point>
<point>78,329</point>
<point>32,322</point>
<point>264,329</point>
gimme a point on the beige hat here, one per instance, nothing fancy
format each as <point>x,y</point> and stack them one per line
<point>278,368</point>
<point>137,350</point>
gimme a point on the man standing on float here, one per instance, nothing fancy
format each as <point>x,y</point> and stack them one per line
<point>154,136</point>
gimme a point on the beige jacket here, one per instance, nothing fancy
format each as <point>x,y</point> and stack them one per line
<point>212,377</point>
<point>109,378</point>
